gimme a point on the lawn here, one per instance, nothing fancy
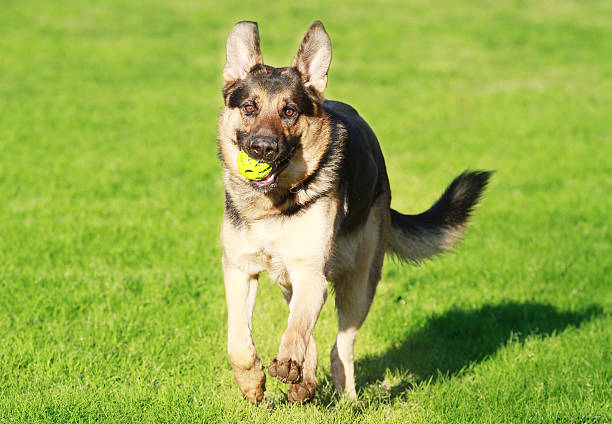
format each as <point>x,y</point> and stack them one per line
<point>111,298</point>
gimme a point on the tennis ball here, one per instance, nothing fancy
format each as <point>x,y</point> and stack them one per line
<point>252,169</point>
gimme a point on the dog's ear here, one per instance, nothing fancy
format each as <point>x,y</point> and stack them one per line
<point>313,57</point>
<point>242,51</point>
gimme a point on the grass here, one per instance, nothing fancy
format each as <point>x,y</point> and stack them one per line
<point>111,297</point>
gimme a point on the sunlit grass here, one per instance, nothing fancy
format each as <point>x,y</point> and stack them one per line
<point>111,298</point>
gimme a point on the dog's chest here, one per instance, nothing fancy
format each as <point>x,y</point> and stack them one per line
<point>281,245</point>
<point>261,249</point>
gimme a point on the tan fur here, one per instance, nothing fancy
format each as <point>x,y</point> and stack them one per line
<point>294,252</point>
<point>300,252</point>
<point>430,243</point>
<point>304,243</point>
<point>314,134</point>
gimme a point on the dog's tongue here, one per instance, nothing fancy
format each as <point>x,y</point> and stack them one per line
<point>266,181</point>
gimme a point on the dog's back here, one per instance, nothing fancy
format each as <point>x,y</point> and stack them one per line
<point>363,175</point>
<point>364,179</point>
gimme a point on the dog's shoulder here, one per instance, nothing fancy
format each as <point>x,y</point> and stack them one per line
<point>363,175</point>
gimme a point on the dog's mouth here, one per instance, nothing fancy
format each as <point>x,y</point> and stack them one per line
<point>266,182</point>
<point>279,166</point>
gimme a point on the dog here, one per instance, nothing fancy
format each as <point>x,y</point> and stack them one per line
<point>322,213</point>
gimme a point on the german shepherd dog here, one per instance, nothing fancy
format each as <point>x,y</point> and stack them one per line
<point>322,214</point>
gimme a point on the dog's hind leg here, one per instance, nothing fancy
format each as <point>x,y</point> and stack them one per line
<point>306,389</point>
<point>353,299</point>
<point>354,294</point>
<point>240,292</point>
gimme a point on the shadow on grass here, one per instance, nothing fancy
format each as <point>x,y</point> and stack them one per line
<point>446,345</point>
<point>450,342</point>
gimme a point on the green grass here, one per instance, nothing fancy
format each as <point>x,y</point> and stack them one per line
<point>111,296</point>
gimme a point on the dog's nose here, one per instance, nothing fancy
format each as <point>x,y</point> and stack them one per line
<point>264,147</point>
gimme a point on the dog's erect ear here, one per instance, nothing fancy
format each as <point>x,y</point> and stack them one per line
<point>243,51</point>
<point>313,57</point>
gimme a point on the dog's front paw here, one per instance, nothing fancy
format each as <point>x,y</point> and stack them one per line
<point>251,382</point>
<point>286,370</point>
<point>302,392</point>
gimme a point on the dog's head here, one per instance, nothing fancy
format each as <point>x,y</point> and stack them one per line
<point>274,114</point>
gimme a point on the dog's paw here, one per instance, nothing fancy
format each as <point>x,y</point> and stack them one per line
<point>251,382</point>
<point>302,392</point>
<point>286,370</point>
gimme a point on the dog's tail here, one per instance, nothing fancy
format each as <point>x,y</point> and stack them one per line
<point>417,237</point>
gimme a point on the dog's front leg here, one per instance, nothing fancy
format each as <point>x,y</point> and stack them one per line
<point>306,389</point>
<point>309,295</point>
<point>240,292</point>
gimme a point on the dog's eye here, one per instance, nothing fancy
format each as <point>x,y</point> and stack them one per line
<point>248,109</point>
<point>289,111</point>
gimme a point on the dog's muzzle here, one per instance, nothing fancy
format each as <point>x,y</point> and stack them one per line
<point>264,147</point>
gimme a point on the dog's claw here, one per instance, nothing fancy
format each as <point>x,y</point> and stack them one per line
<point>287,370</point>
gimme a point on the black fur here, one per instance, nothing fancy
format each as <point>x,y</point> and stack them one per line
<point>274,80</point>
<point>349,180</point>
<point>301,207</point>
<point>452,209</point>
<point>231,211</point>
<point>363,174</point>
<point>237,96</point>
<point>354,159</point>
<point>329,159</point>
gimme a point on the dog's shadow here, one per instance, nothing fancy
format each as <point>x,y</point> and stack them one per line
<point>448,343</point>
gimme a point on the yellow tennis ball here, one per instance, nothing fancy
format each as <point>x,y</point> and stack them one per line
<point>252,169</point>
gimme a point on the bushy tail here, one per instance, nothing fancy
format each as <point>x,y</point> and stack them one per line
<point>417,237</point>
